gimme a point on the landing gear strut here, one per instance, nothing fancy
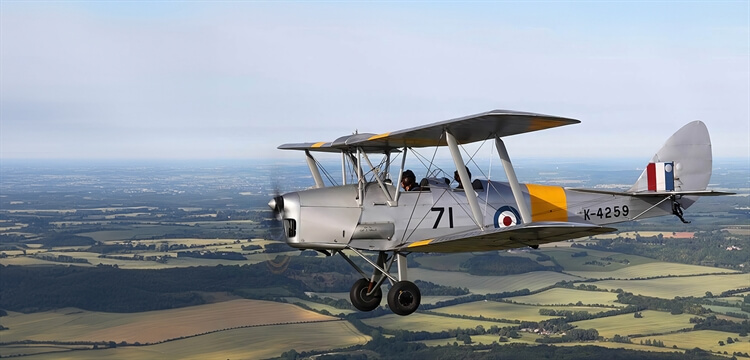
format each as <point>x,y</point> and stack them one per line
<point>403,297</point>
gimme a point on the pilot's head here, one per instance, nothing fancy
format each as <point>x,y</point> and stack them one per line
<point>408,179</point>
<point>457,178</point>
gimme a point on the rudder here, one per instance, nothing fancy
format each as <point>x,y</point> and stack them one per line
<point>682,164</point>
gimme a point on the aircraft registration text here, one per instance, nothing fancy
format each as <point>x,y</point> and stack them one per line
<point>606,213</point>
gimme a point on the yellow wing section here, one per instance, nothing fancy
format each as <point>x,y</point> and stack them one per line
<point>466,130</point>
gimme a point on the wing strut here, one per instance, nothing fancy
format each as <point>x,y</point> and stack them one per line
<point>515,187</point>
<point>314,170</point>
<point>471,195</point>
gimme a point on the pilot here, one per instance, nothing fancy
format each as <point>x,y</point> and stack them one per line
<point>458,179</point>
<point>409,181</point>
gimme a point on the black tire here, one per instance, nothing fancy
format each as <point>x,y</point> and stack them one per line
<point>404,298</point>
<point>359,298</point>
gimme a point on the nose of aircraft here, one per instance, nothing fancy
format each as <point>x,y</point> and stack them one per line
<point>277,205</point>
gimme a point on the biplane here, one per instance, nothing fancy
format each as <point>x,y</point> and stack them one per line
<point>372,214</point>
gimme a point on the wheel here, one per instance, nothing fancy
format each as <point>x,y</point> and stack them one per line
<point>359,298</point>
<point>404,298</point>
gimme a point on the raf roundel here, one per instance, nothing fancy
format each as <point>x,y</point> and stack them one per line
<point>506,216</point>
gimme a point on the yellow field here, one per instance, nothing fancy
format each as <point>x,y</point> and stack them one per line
<point>502,310</point>
<point>560,296</point>
<point>704,339</point>
<point>71,324</point>
<point>668,288</point>
<point>248,343</point>
<point>653,322</point>
<point>424,322</point>
<point>317,306</point>
<point>25,260</point>
<point>651,270</point>
<point>490,284</point>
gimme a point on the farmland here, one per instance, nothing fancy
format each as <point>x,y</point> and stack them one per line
<point>669,287</point>
<point>652,322</point>
<point>502,310</point>
<point>241,304</point>
<point>557,296</point>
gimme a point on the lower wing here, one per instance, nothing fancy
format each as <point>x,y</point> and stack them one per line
<point>523,235</point>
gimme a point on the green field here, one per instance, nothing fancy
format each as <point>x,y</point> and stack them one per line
<point>725,309</point>
<point>563,256</point>
<point>503,310</point>
<point>248,343</point>
<point>704,339</point>
<point>734,300</point>
<point>134,232</point>
<point>668,288</point>
<point>425,322</point>
<point>443,262</point>
<point>562,296</point>
<point>491,284</point>
<point>653,322</point>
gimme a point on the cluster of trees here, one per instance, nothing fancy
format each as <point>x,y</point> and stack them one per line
<point>649,342</point>
<point>572,335</point>
<point>104,288</point>
<point>675,306</point>
<point>224,255</point>
<point>52,239</point>
<point>705,248</point>
<point>431,289</point>
<point>60,258</point>
<point>399,349</point>
<point>714,323</point>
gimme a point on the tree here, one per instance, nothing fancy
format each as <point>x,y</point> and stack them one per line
<point>465,338</point>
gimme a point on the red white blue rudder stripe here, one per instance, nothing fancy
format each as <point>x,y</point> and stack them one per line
<point>660,176</point>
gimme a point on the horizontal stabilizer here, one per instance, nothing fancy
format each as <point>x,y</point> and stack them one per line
<point>657,193</point>
<point>531,234</point>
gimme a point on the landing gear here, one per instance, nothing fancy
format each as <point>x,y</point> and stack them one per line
<point>404,298</point>
<point>360,299</point>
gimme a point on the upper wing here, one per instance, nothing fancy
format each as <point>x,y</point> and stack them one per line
<point>466,130</point>
<point>507,238</point>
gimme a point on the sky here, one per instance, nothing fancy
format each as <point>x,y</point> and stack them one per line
<point>235,79</point>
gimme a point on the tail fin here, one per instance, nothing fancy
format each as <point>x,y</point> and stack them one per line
<point>683,164</point>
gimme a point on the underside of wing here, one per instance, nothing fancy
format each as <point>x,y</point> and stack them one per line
<point>507,238</point>
<point>656,193</point>
<point>466,130</point>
